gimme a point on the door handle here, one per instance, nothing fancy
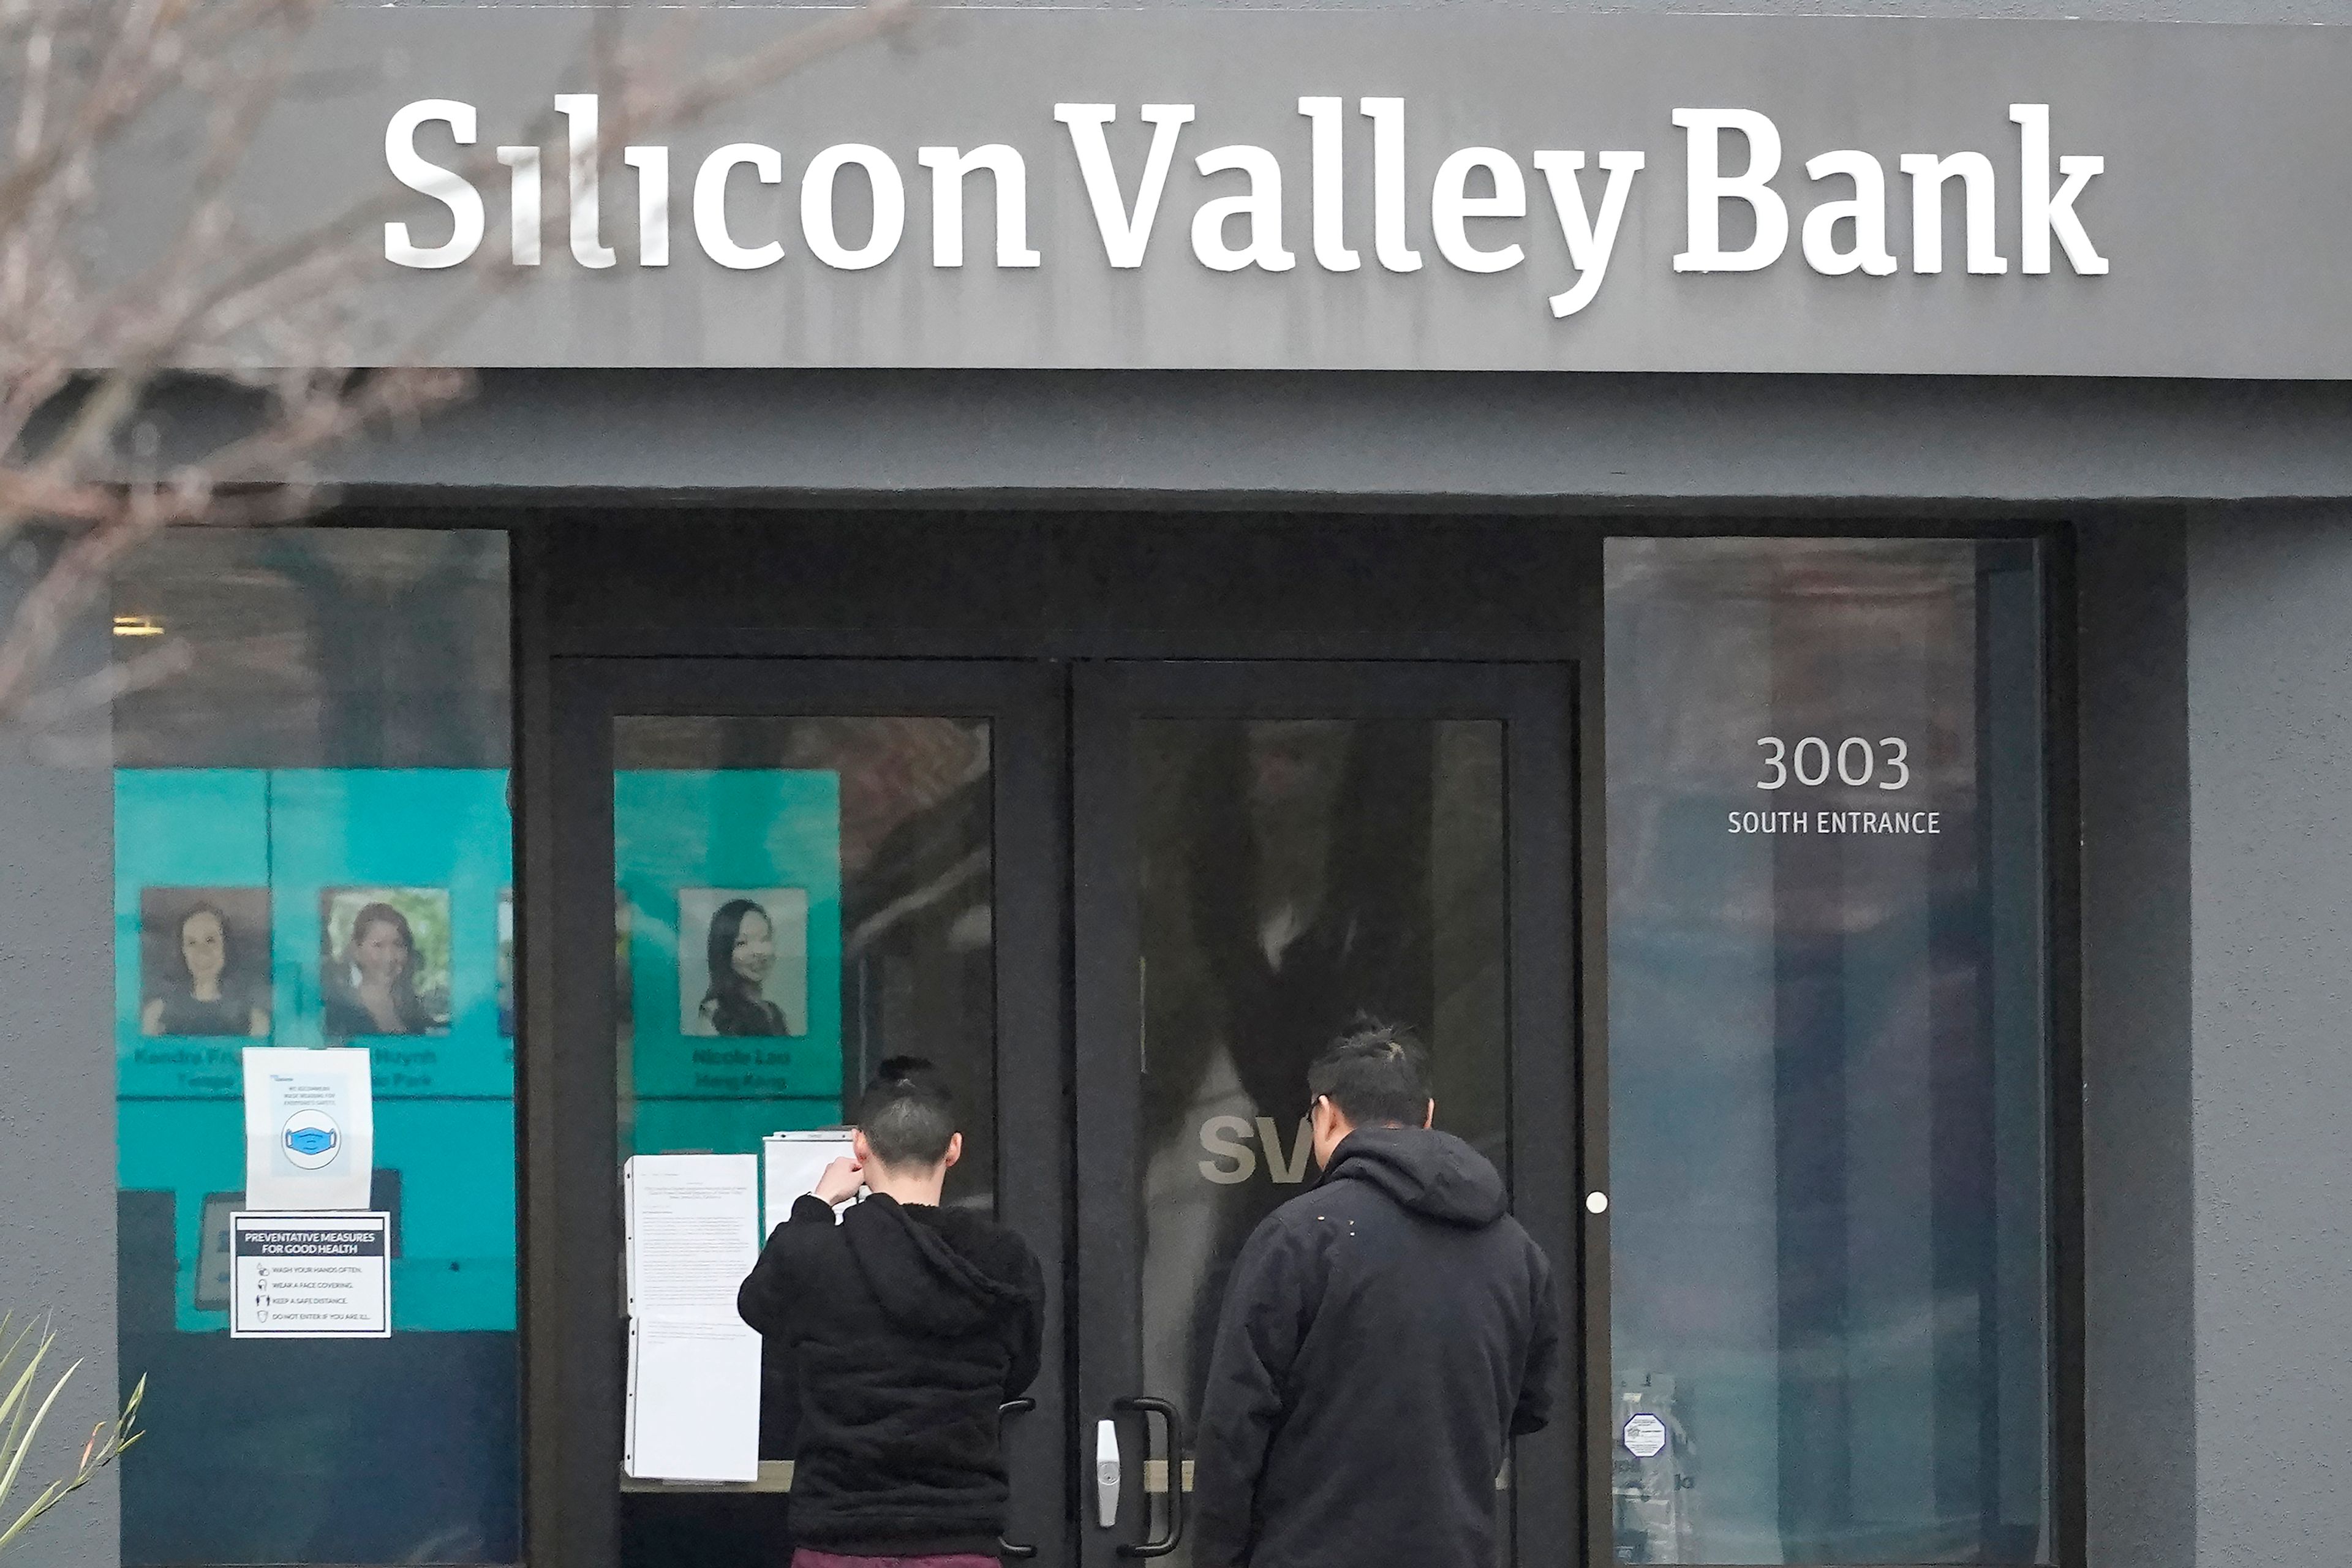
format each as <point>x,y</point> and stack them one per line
<point>1146,1406</point>
<point>1105,1472</point>
<point>1004,1413</point>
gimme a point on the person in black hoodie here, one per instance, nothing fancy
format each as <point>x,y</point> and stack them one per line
<point>908,1325</point>
<point>1385,1334</point>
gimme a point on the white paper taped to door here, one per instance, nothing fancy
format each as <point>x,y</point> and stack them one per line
<point>306,1275</point>
<point>793,1162</point>
<point>309,1128</point>
<point>694,1403</point>
<point>692,1234</point>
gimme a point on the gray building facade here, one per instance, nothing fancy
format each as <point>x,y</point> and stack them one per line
<point>1963,1198</point>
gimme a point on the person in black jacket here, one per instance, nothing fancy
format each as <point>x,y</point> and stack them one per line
<point>908,1325</point>
<point>1386,1333</point>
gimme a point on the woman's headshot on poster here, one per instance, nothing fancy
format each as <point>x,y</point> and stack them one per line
<point>752,977</point>
<point>198,951</point>
<point>385,961</point>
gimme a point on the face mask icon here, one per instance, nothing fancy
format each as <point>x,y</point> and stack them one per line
<point>310,1141</point>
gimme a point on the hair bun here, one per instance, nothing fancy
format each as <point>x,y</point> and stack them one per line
<point>907,1072</point>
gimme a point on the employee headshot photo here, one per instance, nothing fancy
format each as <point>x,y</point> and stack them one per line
<point>742,960</point>
<point>385,961</point>
<point>203,962</point>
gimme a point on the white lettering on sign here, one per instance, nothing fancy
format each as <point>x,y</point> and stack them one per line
<point>949,165</point>
<point>1858,761</point>
<point>1850,823</point>
<point>2045,214</point>
<point>1259,208</point>
<point>1589,240</point>
<point>1707,188</point>
<point>1476,202</point>
<point>579,111</point>
<point>1928,173</point>
<point>1226,1139</point>
<point>817,199</point>
<point>451,190</point>
<point>710,204</point>
<point>1126,229</point>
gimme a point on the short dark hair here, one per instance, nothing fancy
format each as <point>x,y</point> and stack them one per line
<point>907,1114</point>
<point>1377,1074</point>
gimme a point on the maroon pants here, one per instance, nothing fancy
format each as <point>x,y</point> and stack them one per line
<point>809,1557</point>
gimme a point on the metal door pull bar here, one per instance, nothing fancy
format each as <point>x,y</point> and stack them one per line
<point>1105,1473</point>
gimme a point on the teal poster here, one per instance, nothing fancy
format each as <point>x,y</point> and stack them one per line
<point>729,923</point>
<point>308,907</point>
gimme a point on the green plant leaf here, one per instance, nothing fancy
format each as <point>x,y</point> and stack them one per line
<point>16,1461</point>
<point>102,1449</point>
<point>13,1407</point>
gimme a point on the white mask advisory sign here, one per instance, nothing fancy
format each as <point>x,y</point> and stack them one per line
<point>308,1275</point>
<point>309,1128</point>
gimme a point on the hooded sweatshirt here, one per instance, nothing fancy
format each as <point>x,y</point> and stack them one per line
<point>908,1327</point>
<point>1385,1334</point>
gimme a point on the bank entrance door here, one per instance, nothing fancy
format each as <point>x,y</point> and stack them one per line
<point>1265,855</point>
<point>1121,905</point>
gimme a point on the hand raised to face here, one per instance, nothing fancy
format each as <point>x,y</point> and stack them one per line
<point>841,1180</point>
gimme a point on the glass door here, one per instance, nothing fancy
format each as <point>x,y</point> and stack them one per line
<point>1123,905</point>
<point>771,875</point>
<point>1264,853</point>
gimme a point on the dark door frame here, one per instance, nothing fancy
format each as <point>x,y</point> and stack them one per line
<point>911,593</point>
<point>573,1369</point>
<point>573,1386</point>
<point>1537,704</point>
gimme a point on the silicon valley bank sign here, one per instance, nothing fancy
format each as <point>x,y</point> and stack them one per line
<point>1476,199</point>
<point>1487,189</point>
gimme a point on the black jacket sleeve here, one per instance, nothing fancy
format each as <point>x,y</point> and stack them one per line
<point>1268,1304</point>
<point>1534,1411</point>
<point>765,1299</point>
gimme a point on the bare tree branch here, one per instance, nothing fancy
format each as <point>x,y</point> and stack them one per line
<point>86,343</point>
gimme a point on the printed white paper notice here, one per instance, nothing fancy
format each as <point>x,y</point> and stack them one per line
<point>792,1163</point>
<point>694,1401</point>
<point>310,1276</point>
<point>1645,1436</point>
<point>309,1128</point>
<point>693,1233</point>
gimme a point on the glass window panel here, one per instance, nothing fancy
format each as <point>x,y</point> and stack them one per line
<point>328,742</point>
<point>798,899</point>
<point>1828,1119</point>
<point>1297,874</point>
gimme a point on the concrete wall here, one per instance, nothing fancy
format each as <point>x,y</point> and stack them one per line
<point>2269,743</point>
<point>1635,441</point>
<point>57,1078</point>
<point>2285,11</point>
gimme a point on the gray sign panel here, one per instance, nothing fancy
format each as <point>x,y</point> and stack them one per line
<point>2183,191</point>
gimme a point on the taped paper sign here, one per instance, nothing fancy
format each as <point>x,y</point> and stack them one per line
<point>310,1276</point>
<point>792,1163</point>
<point>309,1128</point>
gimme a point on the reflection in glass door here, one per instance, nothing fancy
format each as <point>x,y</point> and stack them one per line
<point>1297,875</point>
<point>1265,856</point>
<point>798,899</point>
